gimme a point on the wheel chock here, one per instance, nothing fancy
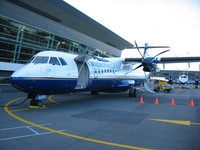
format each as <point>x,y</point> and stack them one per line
<point>37,107</point>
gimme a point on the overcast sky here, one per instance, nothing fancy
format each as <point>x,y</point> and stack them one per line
<point>158,22</point>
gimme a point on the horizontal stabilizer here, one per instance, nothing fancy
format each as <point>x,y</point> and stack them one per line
<point>150,47</point>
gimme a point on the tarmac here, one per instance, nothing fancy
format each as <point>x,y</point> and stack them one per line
<point>109,121</point>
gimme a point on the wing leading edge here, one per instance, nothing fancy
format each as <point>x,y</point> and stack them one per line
<point>166,59</point>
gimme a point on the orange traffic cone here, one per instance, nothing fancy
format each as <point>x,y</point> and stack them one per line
<point>172,102</point>
<point>141,100</point>
<point>156,101</point>
<point>192,103</point>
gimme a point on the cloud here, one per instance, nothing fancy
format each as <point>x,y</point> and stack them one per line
<point>167,22</point>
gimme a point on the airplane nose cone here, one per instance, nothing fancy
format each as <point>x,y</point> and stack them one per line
<point>18,83</point>
<point>18,78</point>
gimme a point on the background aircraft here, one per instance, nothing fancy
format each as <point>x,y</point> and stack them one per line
<point>183,79</point>
<point>53,72</point>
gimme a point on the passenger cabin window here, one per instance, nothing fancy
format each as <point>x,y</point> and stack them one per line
<point>54,61</point>
<point>40,60</point>
<point>63,62</point>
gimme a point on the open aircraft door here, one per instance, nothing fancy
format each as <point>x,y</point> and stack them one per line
<point>83,71</point>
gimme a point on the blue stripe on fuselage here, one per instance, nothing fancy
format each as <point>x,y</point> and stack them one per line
<point>66,85</point>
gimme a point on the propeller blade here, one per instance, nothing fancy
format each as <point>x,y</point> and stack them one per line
<point>159,54</point>
<point>138,49</point>
<point>138,67</point>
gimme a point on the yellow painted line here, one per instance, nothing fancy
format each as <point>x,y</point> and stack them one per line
<point>50,98</point>
<point>67,134</point>
<point>30,107</point>
<point>188,123</point>
<point>20,110</point>
<point>36,107</point>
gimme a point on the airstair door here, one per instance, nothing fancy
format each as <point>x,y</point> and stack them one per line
<point>83,75</point>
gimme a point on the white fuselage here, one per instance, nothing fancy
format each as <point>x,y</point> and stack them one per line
<point>60,72</point>
<point>183,78</point>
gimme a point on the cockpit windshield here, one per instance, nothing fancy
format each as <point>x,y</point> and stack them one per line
<point>40,60</point>
<point>49,60</point>
<point>183,76</point>
<point>54,61</point>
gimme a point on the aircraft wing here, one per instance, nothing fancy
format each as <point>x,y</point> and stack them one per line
<point>166,59</point>
<point>138,60</point>
<point>149,63</point>
<point>178,59</point>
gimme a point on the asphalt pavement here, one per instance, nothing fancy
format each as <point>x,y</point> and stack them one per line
<point>109,121</point>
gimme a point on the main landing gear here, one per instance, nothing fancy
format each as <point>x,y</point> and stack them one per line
<point>134,92</point>
<point>95,92</point>
<point>36,100</point>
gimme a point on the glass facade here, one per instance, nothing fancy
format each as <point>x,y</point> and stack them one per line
<point>19,42</point>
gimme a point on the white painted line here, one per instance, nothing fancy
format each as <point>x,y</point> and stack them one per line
<point>24,136</point>
<point>3,129</point>
<point>33,130</point>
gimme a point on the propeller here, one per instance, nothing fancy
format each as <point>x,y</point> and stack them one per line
<point>160,53</point>
<point>138,49</point>
<point>148,63</point>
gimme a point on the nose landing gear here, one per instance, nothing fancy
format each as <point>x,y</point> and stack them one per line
<point>36,100</point>
<point>38,103</point>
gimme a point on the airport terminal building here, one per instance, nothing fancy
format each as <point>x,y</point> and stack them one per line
<point>28,27</point>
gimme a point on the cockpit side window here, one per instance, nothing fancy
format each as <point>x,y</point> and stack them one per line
<point>54,61</point>
<point>63,62</point>
<point>31,59</point>
<point>40,60</point>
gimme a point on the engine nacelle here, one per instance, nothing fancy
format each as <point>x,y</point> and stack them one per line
<point>150,67</point>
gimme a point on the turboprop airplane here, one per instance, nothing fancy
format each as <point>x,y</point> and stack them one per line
<point>55,72</point>
<point>183,79</point>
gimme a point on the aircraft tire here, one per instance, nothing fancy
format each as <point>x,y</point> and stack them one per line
<point>36,103</point>
<point>32,103</point>
<point>39,103</point>
<point>131,92</point>
<point>136,93</point>
<point>94,92</point>
<point>167,91</point>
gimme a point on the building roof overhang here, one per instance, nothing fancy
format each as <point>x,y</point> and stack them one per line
<point>63,13</point>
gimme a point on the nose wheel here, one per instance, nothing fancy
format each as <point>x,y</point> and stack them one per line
<point>36,100</point>
<point>38,103</point>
